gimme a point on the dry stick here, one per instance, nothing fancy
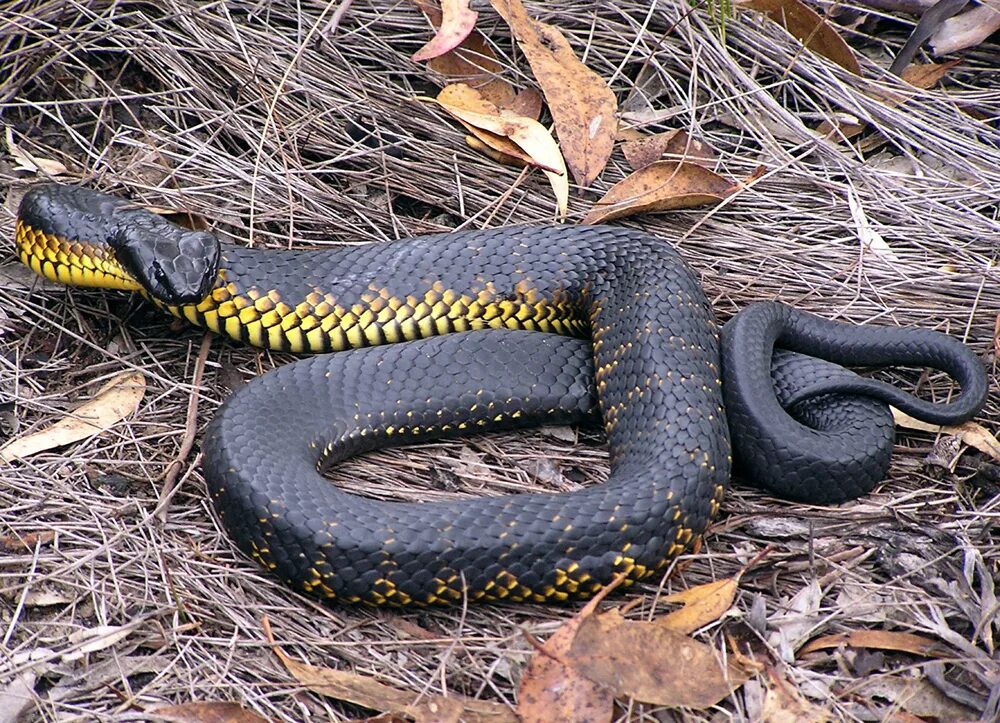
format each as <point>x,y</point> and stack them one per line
<point>331,27</point>
<point>190,427</point>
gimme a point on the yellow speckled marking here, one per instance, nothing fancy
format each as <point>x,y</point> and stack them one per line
<point>70,262</point>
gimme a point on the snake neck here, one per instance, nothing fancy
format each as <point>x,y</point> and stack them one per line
<point>316,301</point>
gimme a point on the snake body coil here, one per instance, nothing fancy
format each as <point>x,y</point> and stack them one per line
<point>652,368</point>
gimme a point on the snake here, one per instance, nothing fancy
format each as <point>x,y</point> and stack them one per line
<point>501,328</point>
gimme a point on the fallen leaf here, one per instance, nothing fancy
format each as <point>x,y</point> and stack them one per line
<point>626,135</point>
<point>996,335</point>
<point>500,148</point>
<point>369,693</point>
<point>206,712</point>
<point>660,186</point>
<point>17,696</point>
<point>919,76</point>
<point>842,130</point>
<point>463,96</point>
<point>583,107</point>
<point>651,663</point>
<point>437,709</point>
<point>527,103</point>
<point>505,159</point>
<point>803,23</point>
<point>970,433</point>
<point>646,150</point>
<point>47,596</point>
<point>91,640</point>
<point>409,628</point>
<point>552,689</point>
<point>880,639</point>
<point>25,161</point>
<point>784,704</point>
<point>918,696</point>
<point>473,62</point>
<point>797,619</point>
<point>648,87</point>
<point>529,139</point>
<point>871,239</point>
<point>26,543</point>
<point>966,30</point>
<point>927,75</point>
<point>112,403</point>
<point>105,673</point>
<point>702,605</point>
<point>457,21</point>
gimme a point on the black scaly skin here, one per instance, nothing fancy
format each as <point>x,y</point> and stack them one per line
<point>661,401</point>
<point>655,356</point>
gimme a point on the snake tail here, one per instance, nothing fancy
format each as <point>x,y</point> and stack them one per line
<point>822,447</point>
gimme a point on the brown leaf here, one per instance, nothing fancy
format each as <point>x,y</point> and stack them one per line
<point>927,75</point>
<point>784,704</point>
<point>206,712</point>
<point>25,161</point>
<point>651,663</point>
<point>464,96</point>
<point>660,186</point>
<point>809,28</point>
<point>408,628</point>
<point>369,693</point>
<point>437,709</point>
<point>970,433</point>
<point>112,403</point>
<point>469,109</point>
<point>553,690</point>
<point>583,107</point>
<point>919,76</point>
<point>880,639</point>
<point>473,62</point>
<point>506,159</point>
<point>649,149</point>
<point>996,336</point>
<point>702,605</point>
<point>25,543</point>
<point>527,102</point>
<point>457,21</point>
<point>498,147</point>
<point>528,140</point>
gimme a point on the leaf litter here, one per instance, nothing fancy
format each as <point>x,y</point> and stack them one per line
<point>178,121</point>
<point>457,21</point>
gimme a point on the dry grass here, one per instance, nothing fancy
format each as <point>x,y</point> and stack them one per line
<point>238,110</point>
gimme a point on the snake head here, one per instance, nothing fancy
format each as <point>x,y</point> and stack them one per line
<point>174,265</point>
